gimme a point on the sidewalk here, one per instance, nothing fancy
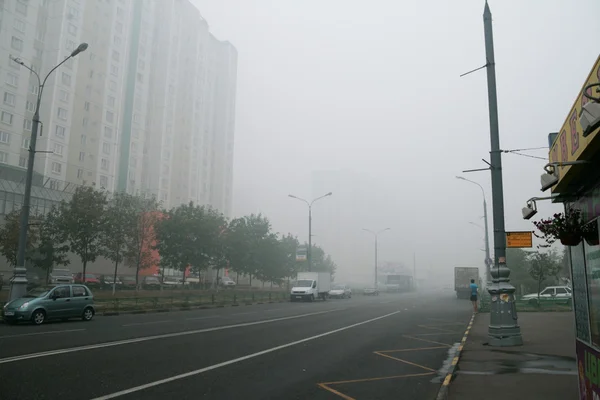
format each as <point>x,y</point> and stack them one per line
<point>543,368</point>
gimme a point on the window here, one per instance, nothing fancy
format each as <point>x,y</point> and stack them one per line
<point>119,12</point>
<point>547,292</point>
<point>23,162</point>
<point>111,101</point>
<point>29,106</point>
<point>107,132</point>
<point>12,79</point>
<point>62,113</point>
<point>117,40</point>
<point>110,116</point>
<point>27,124</point>
<point>119,27</point>
<point>83,140</point>
<point>79,173</point>
<point>60,131</point>
<point>114,70</point>
<point>25,143</point>
<point>136,118</point>
<point>112,85</point>
<point>56,167</point>
<point>34,89</point>
<point>19,25</point>
<point>72,29</point>
<point>9,99</point>
<point>14,64</point>
<point>62,292</point>
<point>104,164</point>
<point>73,13</point>
<point>116,56</point>
<point>86,106</point>
<point>58,149</point>
<point>63,95</point>
<point>79,291</point>
<point>21,8</point>
<point>3,157</point>
<point>54,184</point>
<point>68,64</point>
<point>4,137</point>
<point>560,290</point>
<point>91,75</point>
<point>66,79</point>
<point>16,43</point>
<point>106,148</point>
<point>85,121</point>
<point>103,181</point>
<point>6,117</point>
<point>81,156</point>
<point>70,45</point>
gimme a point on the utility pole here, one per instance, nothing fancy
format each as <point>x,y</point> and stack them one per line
<point>488,261</point>
<point>415,270</point>
<point>376,235</point>
<point>504,330</point>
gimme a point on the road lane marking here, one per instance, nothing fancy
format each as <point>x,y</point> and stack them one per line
<point>235,360</point>
<point>245,313</point>
<point>41,333</point>
<point>149,323</point>
<point>148,338</point>
<point>404,361</point>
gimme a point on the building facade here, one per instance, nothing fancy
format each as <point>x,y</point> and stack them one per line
<point>148,108</point>
<point>578,187</point>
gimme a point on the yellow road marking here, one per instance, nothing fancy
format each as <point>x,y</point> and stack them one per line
<point>455,361</point>
<point>342,395</point>
<point>377,379</point>
<point>427,340</point>
<point>405,362</point>
<point>435,328</point>
<point>436,334</point>
<point>448,379</point>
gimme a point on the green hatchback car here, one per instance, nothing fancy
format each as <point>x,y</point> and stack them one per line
<point>58,302</point>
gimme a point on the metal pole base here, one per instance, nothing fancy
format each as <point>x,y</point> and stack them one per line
<point>504,329</point>
<point>18,283</point>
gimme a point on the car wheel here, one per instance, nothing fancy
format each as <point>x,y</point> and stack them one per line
<point>38,317</point>
<point>312,298</point>
<point>88,314</point>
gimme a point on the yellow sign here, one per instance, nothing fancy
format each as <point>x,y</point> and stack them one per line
<point>570,144</point>
<point>519,239</point>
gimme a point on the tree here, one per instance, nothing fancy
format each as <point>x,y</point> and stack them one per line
<point>52,248</point>
<point>272,257</point>
<point>189,236</point>
<point>543,266</point>
<point>9,237</point>
<point>321,262</point>
<point>289,246</point>
<point>82,219</point>
<point>142,235</point>
<point>115,229</point>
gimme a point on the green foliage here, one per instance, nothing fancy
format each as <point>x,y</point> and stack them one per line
<point>9,238</point>
<point>520,264</point>
<point>543,266</point>
<point>51,248</point>
<point>81,220</point>
<point>321,262</point>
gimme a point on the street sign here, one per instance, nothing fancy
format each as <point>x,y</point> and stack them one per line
<point>515,240</point>
<point>301,253</point>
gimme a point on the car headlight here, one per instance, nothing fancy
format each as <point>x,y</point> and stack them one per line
<point>23,306</point>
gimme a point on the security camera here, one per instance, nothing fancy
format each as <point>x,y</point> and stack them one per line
<point>528,211</point>
<point>589,117</point>
<point>548,180</point>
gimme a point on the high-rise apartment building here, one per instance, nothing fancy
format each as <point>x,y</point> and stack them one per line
<point>148,108</point>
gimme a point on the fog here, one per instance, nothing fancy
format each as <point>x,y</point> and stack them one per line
<point>372,89</point>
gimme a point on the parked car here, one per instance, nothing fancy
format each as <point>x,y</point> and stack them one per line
<point>44,303</point>
<point>106,281</point>
<point>551,293</point>
<point>128,281</point>
<point>151,282</point>
<point>174,281</point>
<point>60,276</point>
<point>227,282</point>
<point>371,292</point>
<point>340,291</point>
<point>33,281</point>
<point>91,280</point>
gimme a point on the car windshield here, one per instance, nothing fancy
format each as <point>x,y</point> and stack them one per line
<point>40,292</point>
<point>58,272</point>
<point>91,276</point>
<point>304,283</point>
<point>152,279</point>
<point>338,287</point>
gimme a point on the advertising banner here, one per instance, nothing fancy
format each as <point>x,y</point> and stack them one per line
<point>588,367</point>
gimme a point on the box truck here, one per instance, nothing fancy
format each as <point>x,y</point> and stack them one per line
<point>310,286</point>
<point>462,281</point>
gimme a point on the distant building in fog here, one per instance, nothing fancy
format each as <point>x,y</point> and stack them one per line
<point>148,108</point>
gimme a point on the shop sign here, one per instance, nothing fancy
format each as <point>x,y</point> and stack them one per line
<point>588,370</point>
<point>301,253</point>
<point>570,143</point>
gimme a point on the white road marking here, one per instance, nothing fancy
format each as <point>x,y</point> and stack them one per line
<point>235,360</point>
<point>148,338</point>
<point>245,313</point>
<point>41,333</point>
<point>149,323</point>
<point>198,318</point>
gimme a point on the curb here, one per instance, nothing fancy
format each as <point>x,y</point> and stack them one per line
<point>443,393</point>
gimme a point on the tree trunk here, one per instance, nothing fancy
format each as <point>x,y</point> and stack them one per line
<point>47,275</point>
<point>115,277</point>
<point>539,289</point>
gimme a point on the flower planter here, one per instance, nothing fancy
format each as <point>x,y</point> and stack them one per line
<point>570,239</point>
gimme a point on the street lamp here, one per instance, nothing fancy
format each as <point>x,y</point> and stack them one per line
<point>19,282</point>
<point>488,260</point>
<point>376,235</point>
<point>309,204</point>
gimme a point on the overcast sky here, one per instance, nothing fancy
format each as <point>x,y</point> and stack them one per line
<point>374,87</point>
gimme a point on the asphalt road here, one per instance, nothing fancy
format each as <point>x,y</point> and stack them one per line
<point>363,348</point>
